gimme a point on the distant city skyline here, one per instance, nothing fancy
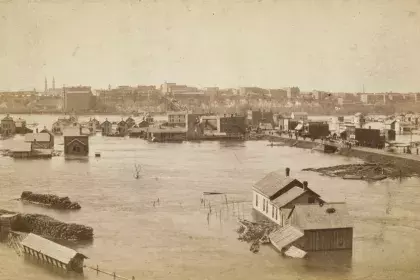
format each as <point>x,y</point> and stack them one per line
<point>333,45</point>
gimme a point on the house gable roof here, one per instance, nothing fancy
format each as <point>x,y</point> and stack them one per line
<point>76,140</point>
<point>293,194</point>
<point>274,183</point>
<point>325,216</point>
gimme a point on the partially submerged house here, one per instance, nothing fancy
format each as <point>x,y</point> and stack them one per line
<point>122,128</point>
<point>52,253</point>
<point>315,227</point>
<point>20,126</point>
<point>106,128</point>
<point>43,140</point>
<point>8,127</point>
<point>23,150</point>
<point>275,195</point>
<point>130,122</point>
<point>75,143</point>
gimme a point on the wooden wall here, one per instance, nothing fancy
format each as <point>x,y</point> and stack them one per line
<point>326,239</point>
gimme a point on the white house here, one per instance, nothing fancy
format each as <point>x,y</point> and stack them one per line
<point>275,195</point>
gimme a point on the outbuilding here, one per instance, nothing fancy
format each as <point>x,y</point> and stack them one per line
<point>52,253</point>
<point>316,227</point>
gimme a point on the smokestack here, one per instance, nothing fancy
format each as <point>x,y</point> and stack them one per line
<point>80,130</point>
<point>287,172</point>
<point>305,185</point>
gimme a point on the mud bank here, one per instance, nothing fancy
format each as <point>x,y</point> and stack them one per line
<point>49,200</point>
<point>48,227</point>
<point>364,171</point>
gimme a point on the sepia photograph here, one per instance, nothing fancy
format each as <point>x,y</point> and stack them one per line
<point>209,139</point>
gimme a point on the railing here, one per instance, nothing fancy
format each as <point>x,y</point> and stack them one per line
<point>113,274</point>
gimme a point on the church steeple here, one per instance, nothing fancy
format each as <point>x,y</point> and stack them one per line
<point>53,83</point>
<point>46,85</point>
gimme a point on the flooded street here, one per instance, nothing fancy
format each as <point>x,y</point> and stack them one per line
<point>173,239</point>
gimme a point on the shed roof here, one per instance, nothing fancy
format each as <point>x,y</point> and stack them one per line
<point>284,236</point>
<point>39,137</point>
<point>288,196</point>
<point>314,216</point>
<point>49,248</point>
<point>22,147</point>
<point>71,131</point>
<point>273,182</point>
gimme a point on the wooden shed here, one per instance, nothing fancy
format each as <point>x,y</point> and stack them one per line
<point>325,226</point>
<point>53,253</point>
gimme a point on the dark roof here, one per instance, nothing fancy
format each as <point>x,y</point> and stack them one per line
<point>273,182</point>
<point>288,196</point>
<point>285,236</point>
<point>314,216</point>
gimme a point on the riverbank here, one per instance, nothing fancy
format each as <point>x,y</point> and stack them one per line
<point>409,162</point>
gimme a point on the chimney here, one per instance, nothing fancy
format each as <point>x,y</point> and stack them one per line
<point>287,171</point>
<point>305,185</point>
<point>37,130</point>
<point>80,130</point>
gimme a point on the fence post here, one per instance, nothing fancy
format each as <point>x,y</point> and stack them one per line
<point>114,276</point>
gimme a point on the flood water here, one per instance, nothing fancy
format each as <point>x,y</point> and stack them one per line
<point>174,239</point>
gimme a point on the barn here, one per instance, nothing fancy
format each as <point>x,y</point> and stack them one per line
<point>52,253</point>
<point>316,227</point>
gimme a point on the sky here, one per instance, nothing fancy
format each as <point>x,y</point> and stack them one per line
<point>332,45</point>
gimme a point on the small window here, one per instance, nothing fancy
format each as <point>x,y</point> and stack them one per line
<point>272,211</point>
<point>266,207</point>
<point>263,204</point>
<point>277,213</point>
<point>256,200</point>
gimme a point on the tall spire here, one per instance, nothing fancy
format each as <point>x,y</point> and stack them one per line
<point>53,83</point>
<point>46,85</point>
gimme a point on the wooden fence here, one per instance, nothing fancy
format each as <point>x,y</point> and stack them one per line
<point>113,274</point>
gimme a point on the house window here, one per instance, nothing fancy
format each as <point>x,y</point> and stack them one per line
<point>266,207</point>
<point>277,211</point>
<point>311,199</point>
<point>263,204</point>
<point>256,200</point>
<point>272,211</point>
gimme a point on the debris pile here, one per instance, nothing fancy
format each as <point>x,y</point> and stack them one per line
<point>50,200</point>
<point>50,228</point>
<point>255,233</point>
<point>365,171</point>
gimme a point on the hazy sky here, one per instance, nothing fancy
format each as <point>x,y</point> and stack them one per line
<point>321,44</point>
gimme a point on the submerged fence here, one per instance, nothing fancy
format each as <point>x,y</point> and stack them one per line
<point>112,274</point>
